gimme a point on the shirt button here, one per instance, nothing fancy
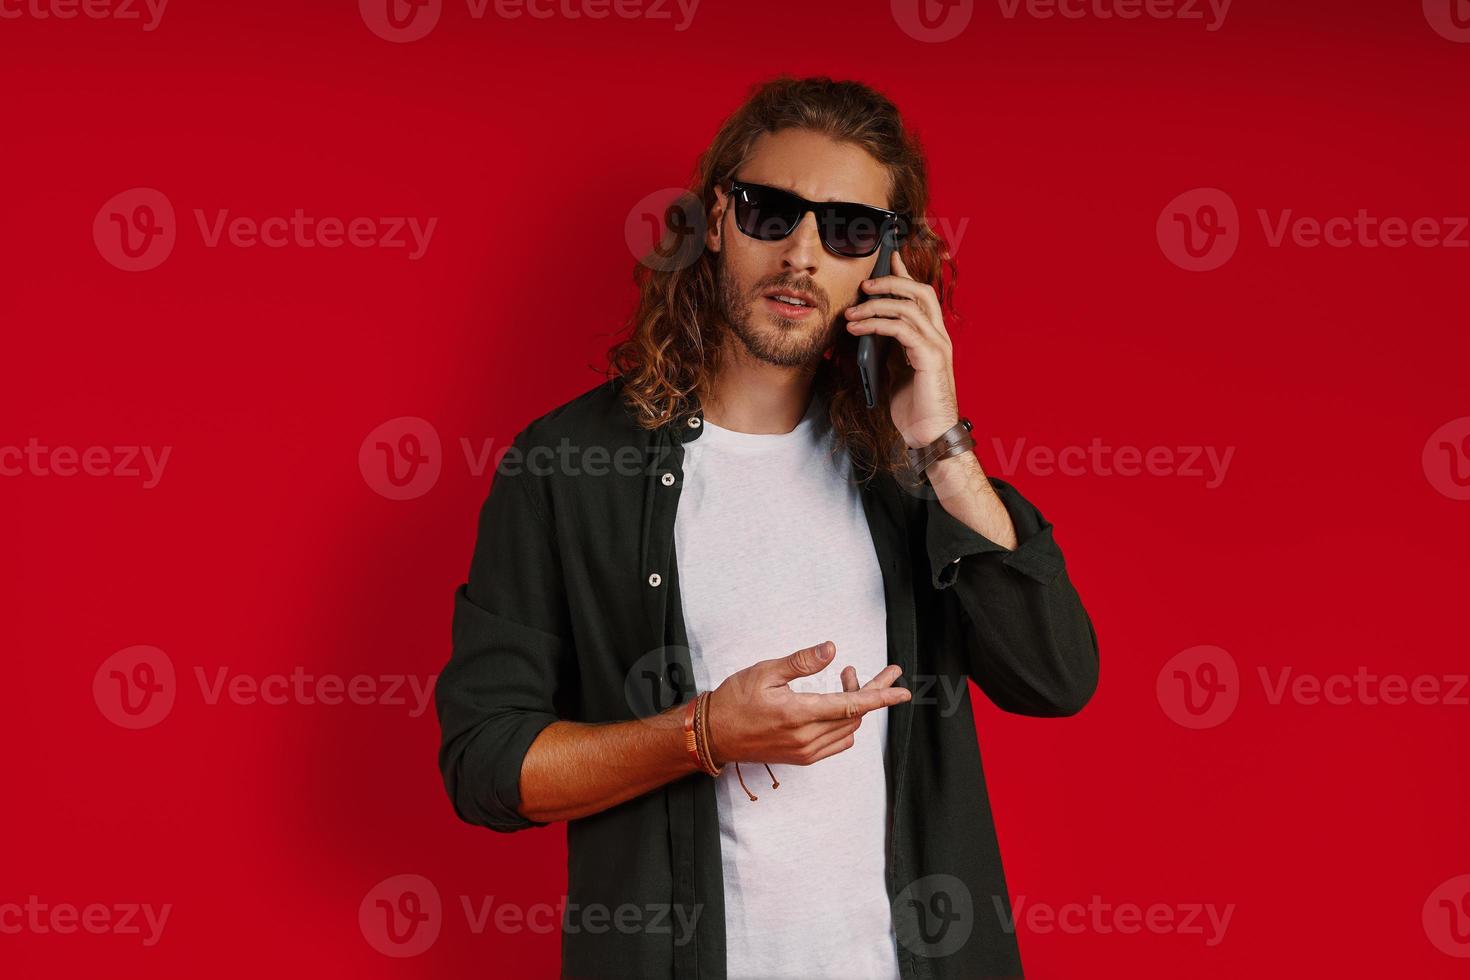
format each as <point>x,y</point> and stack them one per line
<point>654,579</point>
<point>694,421</point>
<point>668,479</point>
<point>955,562</point>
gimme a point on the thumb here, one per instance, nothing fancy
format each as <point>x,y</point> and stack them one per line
<point>808,660</point>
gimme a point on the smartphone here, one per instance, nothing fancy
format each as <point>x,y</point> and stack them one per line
<point>871,346</point>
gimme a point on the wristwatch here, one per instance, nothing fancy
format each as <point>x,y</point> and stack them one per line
<point>953,442</point>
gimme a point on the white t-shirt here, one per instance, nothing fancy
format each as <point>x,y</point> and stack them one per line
<point>774,554</point>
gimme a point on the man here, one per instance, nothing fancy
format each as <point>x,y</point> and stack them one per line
<point>672,598</point>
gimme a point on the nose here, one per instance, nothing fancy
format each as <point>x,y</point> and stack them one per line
<point>802,249</point>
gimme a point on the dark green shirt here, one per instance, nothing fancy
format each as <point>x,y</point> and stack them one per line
<point>571,611</point>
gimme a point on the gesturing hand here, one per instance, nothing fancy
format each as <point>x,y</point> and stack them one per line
<point>756,717</point>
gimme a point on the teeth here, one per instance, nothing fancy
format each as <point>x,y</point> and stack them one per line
<point>792,300</point>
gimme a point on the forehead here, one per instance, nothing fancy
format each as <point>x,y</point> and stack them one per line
<point>817,167</point>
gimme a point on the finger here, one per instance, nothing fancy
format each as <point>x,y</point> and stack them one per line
<point>839,742</point>
<point>804,662</point>
<point>899,309</point>
<point>821,731</point>
<point>924,352</point>
<point>850,704</point>
<point>900,267</point>
<point>849,678</point>
<point>884,678</point>
<point>920,293</point>
<point>926,296</point>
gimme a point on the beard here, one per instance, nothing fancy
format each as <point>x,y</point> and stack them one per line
<point>766,336</point>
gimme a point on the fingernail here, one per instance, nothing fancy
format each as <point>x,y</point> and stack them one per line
<point>825,650</point>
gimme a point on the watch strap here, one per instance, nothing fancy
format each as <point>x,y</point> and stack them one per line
<point>955,440</point>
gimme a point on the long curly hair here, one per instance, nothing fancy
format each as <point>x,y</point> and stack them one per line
<point>671,345</point>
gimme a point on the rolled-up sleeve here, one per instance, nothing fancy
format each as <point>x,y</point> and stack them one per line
<point>1028,642</point>
<point>511,655</point>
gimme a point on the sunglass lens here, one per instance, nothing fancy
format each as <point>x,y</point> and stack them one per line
<point>768,215</point>
<point>851,231</point>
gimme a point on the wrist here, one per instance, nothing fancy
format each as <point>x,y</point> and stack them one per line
<point>711,743</point>
<point>953,442</point>
<point>922,435</point>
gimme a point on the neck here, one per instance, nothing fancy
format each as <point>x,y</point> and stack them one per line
<point>754,396</point>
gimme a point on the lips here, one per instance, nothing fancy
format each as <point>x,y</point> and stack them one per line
<point>806,298</point>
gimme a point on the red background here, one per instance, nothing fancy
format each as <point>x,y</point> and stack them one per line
<point>1326,548</point>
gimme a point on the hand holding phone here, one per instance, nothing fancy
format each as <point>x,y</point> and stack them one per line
<point>869,349</point>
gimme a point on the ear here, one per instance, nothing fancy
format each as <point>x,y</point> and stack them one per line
<point>716,218</point>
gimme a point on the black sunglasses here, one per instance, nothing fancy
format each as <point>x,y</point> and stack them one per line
<point>853,231</point>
